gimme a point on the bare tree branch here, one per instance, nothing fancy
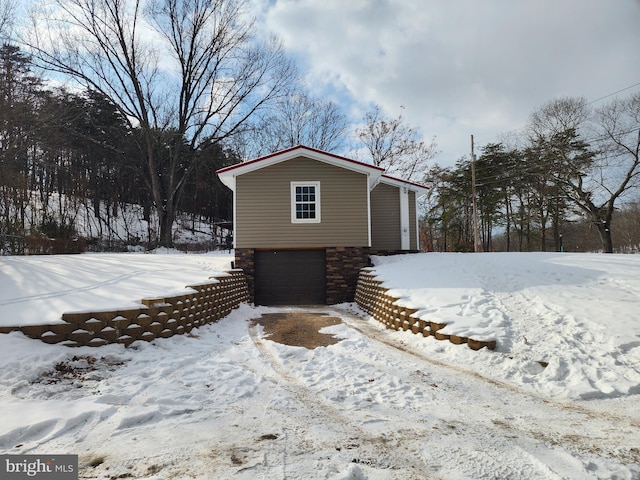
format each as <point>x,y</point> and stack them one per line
<point>187,73</point>
<point>596,175</point>
<point>297,119</point>
<point>395,146</point>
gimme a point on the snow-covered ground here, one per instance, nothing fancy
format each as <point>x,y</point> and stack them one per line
<point>567,325</point>
<point>37,289</point>
<point>557,399</point>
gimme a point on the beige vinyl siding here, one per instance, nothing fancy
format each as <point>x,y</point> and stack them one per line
<point>413,224</point>
<point>263,207</point>
<point>385,217</point>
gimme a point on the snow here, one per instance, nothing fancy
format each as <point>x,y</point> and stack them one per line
<point>557,399</point>
<point>129,224</point>
<point>37,289</point>
<point>576,313</point>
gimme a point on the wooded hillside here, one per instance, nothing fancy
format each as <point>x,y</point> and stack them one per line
<point>65,155</point>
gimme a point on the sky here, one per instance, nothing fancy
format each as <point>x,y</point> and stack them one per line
<point>460,67</point>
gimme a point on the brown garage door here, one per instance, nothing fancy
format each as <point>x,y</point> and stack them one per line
<point>290,277</point>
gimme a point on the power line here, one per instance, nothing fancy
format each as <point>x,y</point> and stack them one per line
<point>523,168</point>
<point>517,173</point>
<point>612,94</point>
<point>588,103</point>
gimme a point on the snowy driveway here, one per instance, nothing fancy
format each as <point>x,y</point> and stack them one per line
<point>227,402</point>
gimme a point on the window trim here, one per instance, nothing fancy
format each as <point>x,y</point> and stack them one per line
<point>294,218</point>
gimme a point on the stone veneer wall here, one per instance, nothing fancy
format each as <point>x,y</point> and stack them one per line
<point>372,297</point>
<point>343,266</point>
<point>156,317</point>
<point>245,260</point>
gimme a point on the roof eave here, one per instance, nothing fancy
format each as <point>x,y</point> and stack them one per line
<point>228,174</point>
<point>420,190</point>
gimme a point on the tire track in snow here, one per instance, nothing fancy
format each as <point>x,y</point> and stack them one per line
<point>347,433</point>
<point>526,417</point>
<point>451,413</point>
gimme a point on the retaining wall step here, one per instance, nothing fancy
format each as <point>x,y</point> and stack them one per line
<point>155,318</point>
<point>375,300</point>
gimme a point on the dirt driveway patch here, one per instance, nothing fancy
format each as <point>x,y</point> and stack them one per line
<point>298,329</point>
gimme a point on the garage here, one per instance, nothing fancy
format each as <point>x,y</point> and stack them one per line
<point>290,277</point>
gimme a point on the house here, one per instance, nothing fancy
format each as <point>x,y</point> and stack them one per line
<point>306,221</point>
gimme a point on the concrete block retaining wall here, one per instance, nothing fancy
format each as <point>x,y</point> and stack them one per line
<point>162,317</point>
<point>373,298</point>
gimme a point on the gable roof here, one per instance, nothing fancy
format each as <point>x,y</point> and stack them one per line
<point>228,174</point>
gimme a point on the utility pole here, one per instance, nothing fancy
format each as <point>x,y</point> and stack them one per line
<point>473,199</point>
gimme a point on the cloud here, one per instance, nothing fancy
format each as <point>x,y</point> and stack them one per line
<point>460,67</point>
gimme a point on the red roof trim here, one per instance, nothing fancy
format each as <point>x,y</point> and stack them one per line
<point>291,149</point>
<point>405,181</point>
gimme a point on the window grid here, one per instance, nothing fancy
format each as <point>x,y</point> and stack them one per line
<point>305,198</point>
<point>306,202</point>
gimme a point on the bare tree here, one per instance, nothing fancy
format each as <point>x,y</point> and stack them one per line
<point>7,12</point>
<point>627,227</point>
<point>297,119</point>
<point>395,146</point>
<point>188,74</point>
<point>559,115</point>
<point>593,175</point>
<point>618,138</point>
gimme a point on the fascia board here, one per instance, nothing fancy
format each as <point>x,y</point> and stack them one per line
<point>228,175</point>
<point>419,189</point>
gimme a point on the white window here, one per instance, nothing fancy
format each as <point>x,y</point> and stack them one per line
<point>305,202</point>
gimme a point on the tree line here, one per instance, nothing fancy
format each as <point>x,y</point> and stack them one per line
<point>159,94</point>
<point>167,91</point>
<point>572,174</point>
<point>65,154</point>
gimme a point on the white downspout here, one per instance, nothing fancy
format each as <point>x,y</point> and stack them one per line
<point>405,238</point>
<point>369,189</point>
<point>415,199</point>
<point>235,222</point>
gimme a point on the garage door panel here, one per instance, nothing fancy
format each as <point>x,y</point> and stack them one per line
<point>290,277</point>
